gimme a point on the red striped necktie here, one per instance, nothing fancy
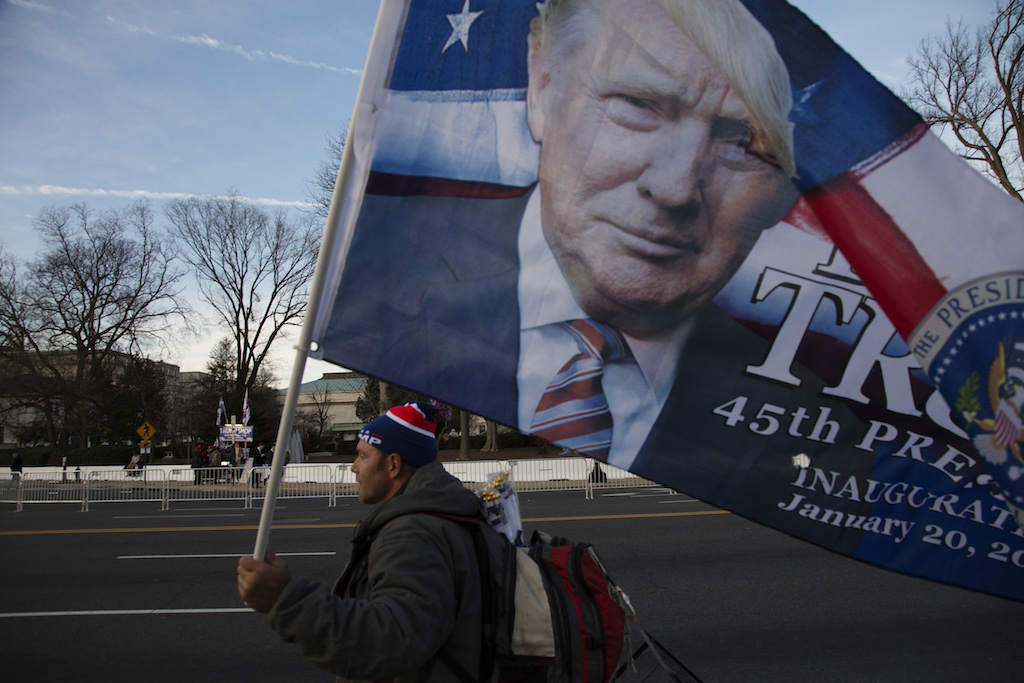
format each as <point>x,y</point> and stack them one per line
<point>573,412</point>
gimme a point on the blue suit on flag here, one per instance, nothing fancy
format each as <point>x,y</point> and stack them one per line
<point>450,329</point>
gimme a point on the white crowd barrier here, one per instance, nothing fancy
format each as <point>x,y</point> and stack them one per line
<point>121,485</point>
<point>550,474</point>
<point>602,476</point>
<point>345,482</point>
<point>187,484</point>
<point>11,489</point>
<point>166,484</point>
<point>474,471</point>
<point>297,481</point>
<point>33,486</point>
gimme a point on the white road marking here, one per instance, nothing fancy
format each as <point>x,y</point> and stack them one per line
<point>239,514</point>
<point>650,493</point>
<point>125,612</point>
<point>208,556</point>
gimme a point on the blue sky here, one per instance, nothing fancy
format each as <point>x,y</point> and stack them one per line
<point>106,101</point>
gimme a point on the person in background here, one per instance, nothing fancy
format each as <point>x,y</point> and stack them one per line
<point>16,463</point>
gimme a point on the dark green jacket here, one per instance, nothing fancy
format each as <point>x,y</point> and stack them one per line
<point>410,588</point>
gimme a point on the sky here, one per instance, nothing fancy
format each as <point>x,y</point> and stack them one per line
<point>109,101</point>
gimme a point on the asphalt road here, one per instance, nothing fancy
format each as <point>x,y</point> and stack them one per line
<point>127,592</point>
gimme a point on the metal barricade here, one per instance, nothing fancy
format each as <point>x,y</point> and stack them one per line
<point>48,487</point>
<point>10,489</point>
<point>168,484</point>
<point>121,485</point>
<point>344,483</point>
<point>550,474</point>
<point>189,484</point>
<point>297,481</point>
<point>305,481</point>
<point>256,481</point>
<point>472,473</point>
<point>603,476</point>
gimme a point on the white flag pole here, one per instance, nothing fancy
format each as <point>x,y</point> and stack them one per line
<point>390,19</point>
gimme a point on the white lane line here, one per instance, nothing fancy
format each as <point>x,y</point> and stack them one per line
<point>681,500</point>
<point>125,612</point>
<point>220,509</point>
<point>208,556</point>
<point>299,520</point>
<point>649,493</point>
<point>239,514</point>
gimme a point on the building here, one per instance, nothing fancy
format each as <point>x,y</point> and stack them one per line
<point>331,401</point>
<point>22,393</point>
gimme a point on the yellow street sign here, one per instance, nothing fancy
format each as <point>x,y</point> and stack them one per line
<point>146,431</point>
<point>145,444</point>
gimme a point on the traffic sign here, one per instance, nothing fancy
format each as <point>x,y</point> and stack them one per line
<point>146,431</point>
<point>145,444</point>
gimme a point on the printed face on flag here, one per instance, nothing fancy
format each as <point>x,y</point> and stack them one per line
<point>655,178</point>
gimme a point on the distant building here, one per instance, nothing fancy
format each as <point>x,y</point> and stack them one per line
<point>334,395</point>
<point>18,395</point>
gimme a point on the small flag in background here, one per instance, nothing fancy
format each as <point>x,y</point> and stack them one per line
<point>222,412</point>
<point>245,408</point>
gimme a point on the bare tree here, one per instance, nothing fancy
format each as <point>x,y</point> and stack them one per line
<point>320,412</point>
<point>218,382</point>
<point>970,82</point>
<point>320,188</point>
<point>378,396</point>
<point>219,378</point>
<point>253,268</point>
<point>101,290</point>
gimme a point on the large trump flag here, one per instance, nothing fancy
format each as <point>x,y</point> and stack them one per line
<point>815,323</point>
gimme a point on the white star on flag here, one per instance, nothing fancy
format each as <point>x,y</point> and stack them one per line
<point>460,27</point>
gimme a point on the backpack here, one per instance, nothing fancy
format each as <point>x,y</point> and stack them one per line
<point>551,612</point>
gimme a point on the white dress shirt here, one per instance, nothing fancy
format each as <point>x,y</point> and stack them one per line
<point>636,389</point>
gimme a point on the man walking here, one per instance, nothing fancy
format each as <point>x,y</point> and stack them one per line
<point>408,605</point>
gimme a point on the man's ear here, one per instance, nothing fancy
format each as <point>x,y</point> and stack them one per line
<point>394,465</point>
<point>538,79</point>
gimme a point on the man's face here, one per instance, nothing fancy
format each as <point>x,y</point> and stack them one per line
<point>650,196</point>
<point>370,468</point>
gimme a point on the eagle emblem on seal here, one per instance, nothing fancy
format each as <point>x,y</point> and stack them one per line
<point>998,438</point>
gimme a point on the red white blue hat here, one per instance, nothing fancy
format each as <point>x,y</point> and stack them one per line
<point>406,430</point>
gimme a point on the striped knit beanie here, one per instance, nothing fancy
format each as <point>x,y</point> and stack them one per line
<point>407,430</point>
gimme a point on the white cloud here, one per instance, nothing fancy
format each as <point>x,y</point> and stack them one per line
<point>220,45</point>
<point>57,190</point>
<point>38,6</point>
<point>253,55</point>
<point>217,44</point>
<point>131,28</point>
<point>315,65</point>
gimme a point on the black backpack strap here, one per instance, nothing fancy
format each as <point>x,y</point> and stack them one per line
<point>453,666</point>
<point>487,613</point>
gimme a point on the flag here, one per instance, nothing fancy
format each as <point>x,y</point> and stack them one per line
<point>936,244</point>
<point>245,408</point>
<point>222,412</point>
<point>858,380</point>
